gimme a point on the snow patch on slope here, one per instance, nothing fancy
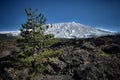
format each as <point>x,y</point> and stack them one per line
<point>74,30</point>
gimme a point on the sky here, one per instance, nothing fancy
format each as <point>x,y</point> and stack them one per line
<point>103,14</point>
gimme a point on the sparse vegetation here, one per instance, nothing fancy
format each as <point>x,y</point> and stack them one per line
<point>103,54</point>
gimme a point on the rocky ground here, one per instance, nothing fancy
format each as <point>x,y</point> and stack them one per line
<point>82,59</point>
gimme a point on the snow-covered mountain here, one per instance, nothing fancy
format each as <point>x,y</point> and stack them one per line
<point>74,30</point>
<point>67,30</point>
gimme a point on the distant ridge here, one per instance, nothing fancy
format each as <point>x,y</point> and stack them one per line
<point>68,30</point>
<point>10,33</point>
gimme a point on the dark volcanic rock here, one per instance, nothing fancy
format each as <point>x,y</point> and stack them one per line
<point>82,59</point>
<point>75,57</point>
<point>88,46</point>
<point>99,42</point>
<point>57,65</point>
<point>99,71</point>
<point>93,62</point>
<point>112,49</point>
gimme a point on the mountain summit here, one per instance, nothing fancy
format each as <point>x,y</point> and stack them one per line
<point>74,30</point>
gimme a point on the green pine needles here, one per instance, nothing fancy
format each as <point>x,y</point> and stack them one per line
<point>33,39</point>
<point>35,45</point>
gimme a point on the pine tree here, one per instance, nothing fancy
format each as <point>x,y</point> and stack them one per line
<point>33,39</point>
<point>34,44</point>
